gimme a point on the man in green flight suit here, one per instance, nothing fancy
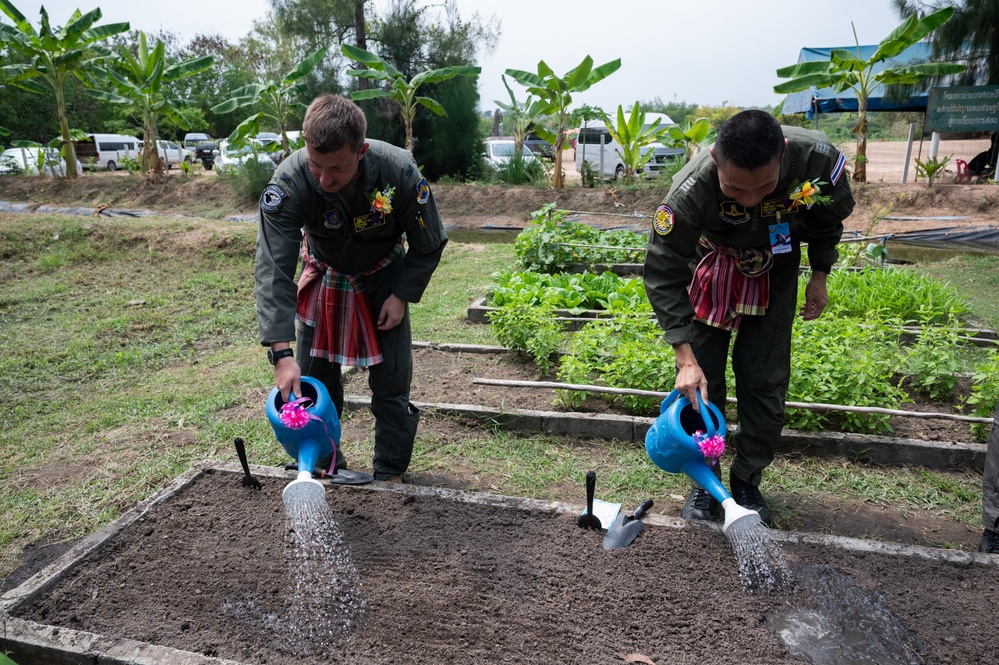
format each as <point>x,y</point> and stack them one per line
<point>723,258</point>
<point>346,205</point>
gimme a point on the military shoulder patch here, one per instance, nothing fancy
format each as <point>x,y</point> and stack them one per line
<point>663,220</point>
<point>422,191</point>
<point>272,199</point>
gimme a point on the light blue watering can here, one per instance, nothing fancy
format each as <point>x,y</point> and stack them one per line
<point>318,438</point>
<point>672,446</point>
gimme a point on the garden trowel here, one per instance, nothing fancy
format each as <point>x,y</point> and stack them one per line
<point>625,529</point>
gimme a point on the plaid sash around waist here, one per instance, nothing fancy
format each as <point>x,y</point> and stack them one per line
<point>340,311</point>
<point>730,282</point>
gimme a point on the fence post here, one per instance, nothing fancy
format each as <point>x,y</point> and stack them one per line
<point>908,152</point>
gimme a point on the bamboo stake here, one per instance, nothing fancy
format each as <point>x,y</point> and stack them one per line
<point>732,400</point>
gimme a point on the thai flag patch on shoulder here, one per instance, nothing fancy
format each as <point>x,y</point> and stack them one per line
<point>837,170</point>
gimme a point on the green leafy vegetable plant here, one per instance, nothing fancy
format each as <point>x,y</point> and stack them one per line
<point>984,396</point>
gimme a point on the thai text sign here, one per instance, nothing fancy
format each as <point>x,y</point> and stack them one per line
<point>963,109</point>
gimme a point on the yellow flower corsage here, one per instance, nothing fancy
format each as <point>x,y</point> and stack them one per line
<point>381,202</point>
<point>807,193</point>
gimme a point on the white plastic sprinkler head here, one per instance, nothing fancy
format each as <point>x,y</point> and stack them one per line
<point>303,489</point>
<point>734,512</point>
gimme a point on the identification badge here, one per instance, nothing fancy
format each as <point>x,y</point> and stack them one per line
<point>780,238</point>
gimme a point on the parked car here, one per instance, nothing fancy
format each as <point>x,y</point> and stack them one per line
<point>228,157</point>
<point>107,151</point>
<point>205,153</point>
<point>595,144</point>
<point>270,144</point>
<point>541,148</point>
<point>193,139</point>
<point>500,151</point>
<point>24,161</point>
<point>172,154</point>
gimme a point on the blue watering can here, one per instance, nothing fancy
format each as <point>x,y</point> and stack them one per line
<point>318,438</point>
<point>671,446</point>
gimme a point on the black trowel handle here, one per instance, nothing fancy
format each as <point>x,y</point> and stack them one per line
<point>591,486</point>
<point>642,509</point>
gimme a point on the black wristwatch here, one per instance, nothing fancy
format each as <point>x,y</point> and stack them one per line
<point>274,356</point>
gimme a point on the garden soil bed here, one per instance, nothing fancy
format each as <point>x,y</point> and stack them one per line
<point>444,580</point>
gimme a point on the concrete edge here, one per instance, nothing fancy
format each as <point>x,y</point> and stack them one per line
<point>883,450</point>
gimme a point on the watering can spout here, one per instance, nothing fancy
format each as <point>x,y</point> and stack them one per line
<point>735,513</point>
<point>701,473</point>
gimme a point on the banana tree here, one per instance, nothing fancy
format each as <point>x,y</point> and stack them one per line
<point>520,115</point>
<point>53,56</point>
<point>279,101</point>
<point>142,83</point>
<point>555,93</point>
<point>632,135</point>
<point>398,89</point>
<point>845,69</point>
<point>690,135</point>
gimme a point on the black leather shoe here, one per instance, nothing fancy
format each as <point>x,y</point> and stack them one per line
<point>990,542</point>
<point>699,506</point>
<point>749,497</point>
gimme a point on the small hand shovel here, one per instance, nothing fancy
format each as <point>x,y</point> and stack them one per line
<point>248,480</point>
<point>626,529</point>
<point>588,520</point>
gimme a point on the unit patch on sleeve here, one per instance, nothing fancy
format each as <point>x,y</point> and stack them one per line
<point>272,199</point>
<point>663,221</point>
<point>422,191</point>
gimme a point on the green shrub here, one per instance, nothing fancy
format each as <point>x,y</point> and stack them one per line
<point>574,292</point>
<point>931,361</point>
<point>892,293</point>
<point>519,171</point>
<point>552,243</point>
<point>837,361</point>
<point>624,352</point>
<point>249,179</point>
<point>984,395</point>
<point>530,328</point>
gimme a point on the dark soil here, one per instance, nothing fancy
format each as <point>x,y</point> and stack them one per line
<point>444,581</point>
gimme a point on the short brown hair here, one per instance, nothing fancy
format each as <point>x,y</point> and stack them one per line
<point>332,122</point>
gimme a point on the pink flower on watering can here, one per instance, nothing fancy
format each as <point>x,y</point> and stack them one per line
<point>712,447</point>
<point>293,414</point>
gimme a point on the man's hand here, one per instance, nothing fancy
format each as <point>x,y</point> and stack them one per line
<point>816,297</point>
<point>287,375</point>
<point>392,312</point>
<point>690,378</point>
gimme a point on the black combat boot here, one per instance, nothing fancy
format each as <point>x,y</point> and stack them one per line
<point>699,506</point>
<point>990,542</point>
<point>749,497</point>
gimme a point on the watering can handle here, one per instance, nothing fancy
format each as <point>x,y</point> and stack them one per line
<point>669,400</point>
<point>706,416</point>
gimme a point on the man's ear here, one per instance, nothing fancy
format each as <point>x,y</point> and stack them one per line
<point>364,149</point>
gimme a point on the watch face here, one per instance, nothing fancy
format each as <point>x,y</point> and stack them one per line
<point>274,356</point>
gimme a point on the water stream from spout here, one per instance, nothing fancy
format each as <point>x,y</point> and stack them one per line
<point>761,559</point>
<point>327,599</point>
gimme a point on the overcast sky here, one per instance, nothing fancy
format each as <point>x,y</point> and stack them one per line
<point>704,52</point>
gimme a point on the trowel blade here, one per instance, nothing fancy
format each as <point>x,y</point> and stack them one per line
<point>622,532</point>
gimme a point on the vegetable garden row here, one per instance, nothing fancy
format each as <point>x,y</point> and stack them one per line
<point>857,354</point>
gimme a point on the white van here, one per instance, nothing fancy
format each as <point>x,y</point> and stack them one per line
<point>595,144</point>
<point>105,151</point>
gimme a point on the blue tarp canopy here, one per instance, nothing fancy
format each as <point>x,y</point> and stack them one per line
<point>827,100</point>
